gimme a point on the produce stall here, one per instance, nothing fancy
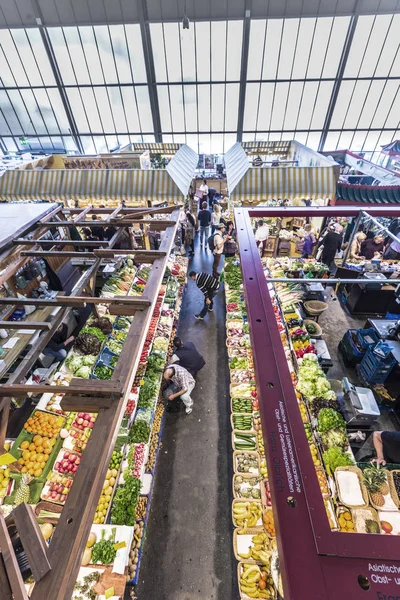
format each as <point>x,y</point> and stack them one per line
<point>329,513</point>
<point>83,464</point>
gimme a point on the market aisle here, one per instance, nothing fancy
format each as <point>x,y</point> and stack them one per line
<point>188,550</point>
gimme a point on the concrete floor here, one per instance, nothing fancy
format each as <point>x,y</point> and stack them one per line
<point>188,552</point>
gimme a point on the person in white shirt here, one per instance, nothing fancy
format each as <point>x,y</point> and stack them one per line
<point>215,218</point>
<point>219,241</point>
<point>204,189</point>
<point>261,235</point>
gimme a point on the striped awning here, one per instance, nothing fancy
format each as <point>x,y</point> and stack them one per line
<point>262,184</point>
<point>264,147</point>
<point>152,147</point>
<point>65,184</point>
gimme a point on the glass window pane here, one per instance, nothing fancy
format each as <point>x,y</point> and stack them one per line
<point>218,50</point>
<point>88,145</point>
<point>256,48</point>
<point>342,103</point>
<point>178,119</point>
<point>203,50</point>
<point>371,102</point>
<point>389,51</point>
<point>358,140</point>
<point>234,50</point>
<point>331,142</point>
<point>321,104</point>
<point>117,108</point>
<point>278,110</point>
<point>265,106</point>
<point>319,47</point>
<point>307,105</point>
<point>62,56</point>
<point>204,103</point>
<point>9,114</point>
<point>22,43</point>
<point>190,96</point>
<point>149,139</point>
<point>6,76</point>
<point>205,144</point>
<point>168,139</point>
<point>132,116</point>
<point>46,121</point>
<point>229,141</point>
<point>288,47</point>
<point>231,106</point>
<point>250,106</point>
<point>293,105</point>
<point>303,48</point>
<point>121,55</point>
<point>21,112</point>
<point>77,55</point>
<point>143,100</point>
<point>192,140</point>
<point>301,137</point>
<point>272,46</point>
<point>106,53</point>
<point>356,103</point>
<point>188,53</point>
<point>172,51</point>
<point>179,138</point>
<point>357,49</point>
<point>335,48</point>
<point>157,42</point>
<point>4,128</point>
<point>371,141</point>
<point>375,45</point>
<point>313,140</point>
<point>33,111</point>
<point>345,140</point>
<point>92,112</point>
<point>11,54</point>
<point>58,109</point>
<point>41,56</point>
<point>10,144</point>
<point>217,106</point>
<point>78,110</point>
<point>164,104</point>
<point>100,144</point>
<point>217,143</point>
<point>385,104</point>
<point>135,45</point>
<point>248,137</point>
<point>393,117</point>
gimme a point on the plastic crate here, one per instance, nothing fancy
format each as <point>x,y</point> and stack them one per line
<point>351,354</point>
<point>376,369</point>
<point>367,338</point>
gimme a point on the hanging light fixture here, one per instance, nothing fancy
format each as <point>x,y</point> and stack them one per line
<point>185,20</point>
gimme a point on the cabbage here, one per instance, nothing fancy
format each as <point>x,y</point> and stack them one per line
<point>322,386</point>
<point>73,362</point>
<point>329,418</point>
<point>335,437</point>
<point>83,372</point>
<point>89,360</point>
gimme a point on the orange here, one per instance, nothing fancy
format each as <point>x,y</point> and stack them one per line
<point>33,456</point>
<point>32,447</point>
<point>24,445</point>
<point>47,451</point>
<point>26,454</point>
<point>37,440</point>
<point>21,461</point>
<point>38,472</point>
<point>24,470</point>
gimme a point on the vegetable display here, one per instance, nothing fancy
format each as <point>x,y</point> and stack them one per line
<point>123,510</point>
<point>104,552</point>
<point>328,418</point>
<point>103,372</point>
<point>336,457</point>
<point>94,331</point>
<point>88,343</point>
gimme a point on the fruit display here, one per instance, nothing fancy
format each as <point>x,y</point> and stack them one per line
<point>315,455</point>
<point>247,463</point>
<point>141,507</point>
<point>42,423</point>
<point>246,514</point>
<point>255,581</point>
<point>268,520</point>
<point>246,487</point>
<point>57,488</point>
<point>134,551</point>
<point>68,462</point>
<point>259,546</point>
<point>242,422</point>
<point>346,522</point>
<point>35,454</point>
<point>23,491</point>
<point>244,441</point>
<point>375,479</point>
<point>4,481</point>
<point>263,467</point>
<point>240,405</point>
<point>266,493</point>
<point>153,447</point>
<point>323,484</point>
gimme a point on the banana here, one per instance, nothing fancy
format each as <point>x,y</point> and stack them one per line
<point>264,556</point>
<point>247,555</point>
<point>254,578</point>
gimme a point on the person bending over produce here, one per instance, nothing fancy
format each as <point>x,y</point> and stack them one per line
<point>387,446</point>
<point>58,343</point>
<point>187,356</point>
<point>184,382</point>
<point>209,286</point>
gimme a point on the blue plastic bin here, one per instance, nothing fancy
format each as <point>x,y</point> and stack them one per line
<point>367,338</point>
<point>376,369</point>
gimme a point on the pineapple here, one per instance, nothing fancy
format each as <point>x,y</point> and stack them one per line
<point>371,526</point>
<point>376,484</point>
<point>23,492</point>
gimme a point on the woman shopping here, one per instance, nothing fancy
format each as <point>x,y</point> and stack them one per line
<point>190,232</point>
<point>230,246</point>
<point>215,218</point>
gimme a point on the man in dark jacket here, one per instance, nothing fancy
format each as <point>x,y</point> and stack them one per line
<point>204,217</point>
<point>332,243</point>
<point>58,343</point>
<point>186,355</point>
<point>209,285</point>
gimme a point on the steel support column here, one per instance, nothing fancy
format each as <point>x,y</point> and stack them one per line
<point>243,69</point>
<point>339,77</point>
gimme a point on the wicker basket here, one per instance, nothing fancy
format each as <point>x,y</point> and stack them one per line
<point>251,453</point>
<point>251,531</point>
<point>237,501</point>
<point>315,307</point>
<point>364,490</point>
<point>241,412</point>
<point>251,430</point>
<point>264,493</point>
<point>232,389</point>
<point>318,328</point>
<point>392,492</point>
<point>373,515</point>
<point>322,470</point>
<point>241,433</point>
<point>245,476</point>
<point>240,568</point>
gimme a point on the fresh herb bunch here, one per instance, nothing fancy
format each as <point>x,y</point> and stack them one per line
<point>139,432</point>
<point>123,511</point>
<point>86,587</point>
<point>103,372</point>
<point>114,346</point>
<point>103,552</point>
<point>147,392</point>
<point>233,274</point>
<point>95,331</point>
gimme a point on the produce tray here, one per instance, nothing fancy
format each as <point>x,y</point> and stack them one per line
<point>35,486</point>
<point>234,411</point>
<point>105,347</point>
<point>60,421</point>
<point>264,500</point>
<point>243,393</point>
<point>60,458</point>
<point>364,491</point>
<point>106,357</point>
<point>254,453</point>
<point>25,436</point>
<point>392,492</point>
<point>118,323</point>
<point>251,430</point>
<point>372,514</point>
<point>245,476</point>
<point>240,568</point>
<point>234,432</point>
<point>395,495</point>
<point>250,532</point>
<point>239,500</point>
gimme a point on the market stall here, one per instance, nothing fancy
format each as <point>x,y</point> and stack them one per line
<point>329,513</point>
<point>85,457</point>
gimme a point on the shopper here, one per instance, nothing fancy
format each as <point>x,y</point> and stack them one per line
<point>209,286</point>
<point>184,382</point>
<point>373,247</point>
<point>190,232</point>
<point>230,246</point>
<point>204,189</point>
<point>204,217</point>
<point>97,232</point>
<point>355,248</point>
<point>387,446</point>
<point>332,243</point>
<point>261,235</point>
<point>58,343</point>
<point>187,356</point>
<point>309,241</point>
<point>393,251</point>
<point>215,218</point>
<point>219,240</point>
